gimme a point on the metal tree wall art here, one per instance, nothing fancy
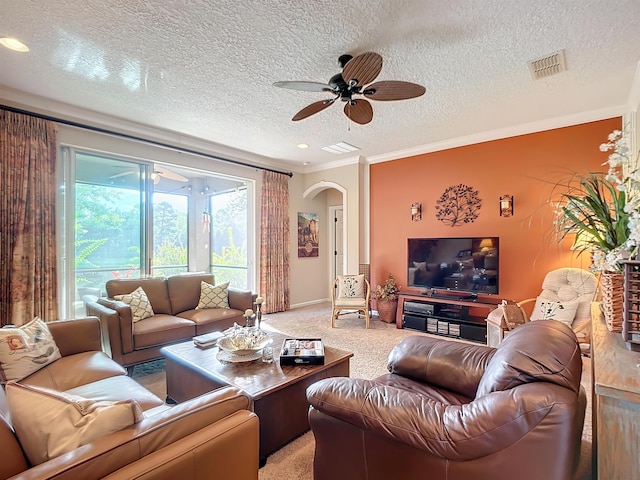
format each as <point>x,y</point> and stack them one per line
<point>457,205</point>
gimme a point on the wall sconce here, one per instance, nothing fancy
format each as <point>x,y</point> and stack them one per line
<point>416,211</point>
<point>506,205</point>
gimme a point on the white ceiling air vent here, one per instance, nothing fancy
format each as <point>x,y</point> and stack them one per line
<point>548,65</point>
<point>342,147</point>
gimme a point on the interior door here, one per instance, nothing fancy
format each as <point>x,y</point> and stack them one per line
<point>337,241</point>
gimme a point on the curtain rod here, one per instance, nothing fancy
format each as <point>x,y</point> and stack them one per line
<point>139,139</point>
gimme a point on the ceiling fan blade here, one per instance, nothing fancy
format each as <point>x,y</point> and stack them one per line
<point>393,90</point>
<point>364,68</point>
<point>359,111</point>
<point>312,109</point>
<point>304,86</point>
<point>166,173</point>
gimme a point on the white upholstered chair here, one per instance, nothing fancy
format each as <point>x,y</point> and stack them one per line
<point>349,294</point>
<point>567,294</point>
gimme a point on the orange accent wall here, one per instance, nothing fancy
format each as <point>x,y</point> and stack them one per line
<point>528,167</point>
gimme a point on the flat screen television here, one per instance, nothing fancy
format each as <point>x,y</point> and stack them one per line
<point>468,265</point>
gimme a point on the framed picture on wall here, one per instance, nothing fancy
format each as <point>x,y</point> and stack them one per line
<point>308,234</point>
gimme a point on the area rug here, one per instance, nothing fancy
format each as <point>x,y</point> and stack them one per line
<point>371,348</point>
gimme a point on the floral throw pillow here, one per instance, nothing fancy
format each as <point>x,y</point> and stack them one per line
<point>213,296</point>
<point>351,286</point>
<point>139,303</point>
<point>26,349</point>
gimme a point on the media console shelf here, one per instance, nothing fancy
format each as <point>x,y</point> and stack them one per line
<point>447,315</point>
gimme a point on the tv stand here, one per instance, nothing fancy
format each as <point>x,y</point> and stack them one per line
<point>451,315</point>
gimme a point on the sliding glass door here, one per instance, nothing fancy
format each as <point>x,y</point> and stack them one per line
<point>125,218</point>
<point>170,234</point>
<point>229,236</point>
<point>109,218</point>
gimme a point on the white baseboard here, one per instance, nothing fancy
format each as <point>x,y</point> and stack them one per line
<point>312,302</point>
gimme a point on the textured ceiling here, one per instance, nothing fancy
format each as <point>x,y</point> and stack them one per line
<point>206,68</point>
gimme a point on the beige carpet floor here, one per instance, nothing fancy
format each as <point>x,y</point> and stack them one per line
<point>371,348</point>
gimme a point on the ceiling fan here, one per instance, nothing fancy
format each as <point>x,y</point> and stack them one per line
<point>357,73</point>
<point>156,175</point>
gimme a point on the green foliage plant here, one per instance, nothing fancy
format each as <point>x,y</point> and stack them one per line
<point>387,292</point>
<point>602,210</point>
<point>593,210</point>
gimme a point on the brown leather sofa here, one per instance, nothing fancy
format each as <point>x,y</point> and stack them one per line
<point>451,410</point>
<point>174,300</point>
<point>215,432</point>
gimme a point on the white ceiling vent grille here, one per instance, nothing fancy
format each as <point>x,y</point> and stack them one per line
<point>342,147</point>
<point>548,65</point>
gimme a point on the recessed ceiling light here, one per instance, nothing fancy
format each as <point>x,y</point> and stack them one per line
<point>303,145</point>
<point>14,44</point>
<point>306,163</point>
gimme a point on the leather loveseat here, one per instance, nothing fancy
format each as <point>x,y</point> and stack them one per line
<point>174,300</point>
<point>215,432</point>
<point>451,410</point>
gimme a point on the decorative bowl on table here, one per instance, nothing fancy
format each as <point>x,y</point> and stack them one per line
<point>244,341</point>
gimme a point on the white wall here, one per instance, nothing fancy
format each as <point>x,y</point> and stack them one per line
<point>349,177</point>
<point>309,275</point>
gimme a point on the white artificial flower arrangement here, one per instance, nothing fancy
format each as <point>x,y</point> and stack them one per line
<point>623,173</point>
<point>602,210</point>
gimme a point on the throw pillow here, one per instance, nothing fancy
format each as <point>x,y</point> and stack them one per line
<point>350,286</point>
<point>548,309</point>
<point>50,423</point>
<point>213,296</point>
<point>26,349</point>
<point>139,303</point>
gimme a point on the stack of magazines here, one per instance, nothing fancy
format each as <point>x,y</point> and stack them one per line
<point>208,339</point>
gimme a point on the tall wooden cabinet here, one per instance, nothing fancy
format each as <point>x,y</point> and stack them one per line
<point>616,403</point>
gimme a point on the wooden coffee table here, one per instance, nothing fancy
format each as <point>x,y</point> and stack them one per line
<point>278,392</point>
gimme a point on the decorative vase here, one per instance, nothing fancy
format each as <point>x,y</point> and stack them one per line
<point>612,299</point>
<point>387,310</point>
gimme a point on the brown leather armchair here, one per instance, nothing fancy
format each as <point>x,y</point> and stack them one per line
<point>451,410</point>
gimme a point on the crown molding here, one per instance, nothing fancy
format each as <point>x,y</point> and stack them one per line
<point>45,106</point>
<point>634,92</point>
<point>513,131</point>
<point>343,162</point>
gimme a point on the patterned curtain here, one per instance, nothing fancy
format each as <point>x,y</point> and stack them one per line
<point>274,242</point>
<point>28,217</point>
